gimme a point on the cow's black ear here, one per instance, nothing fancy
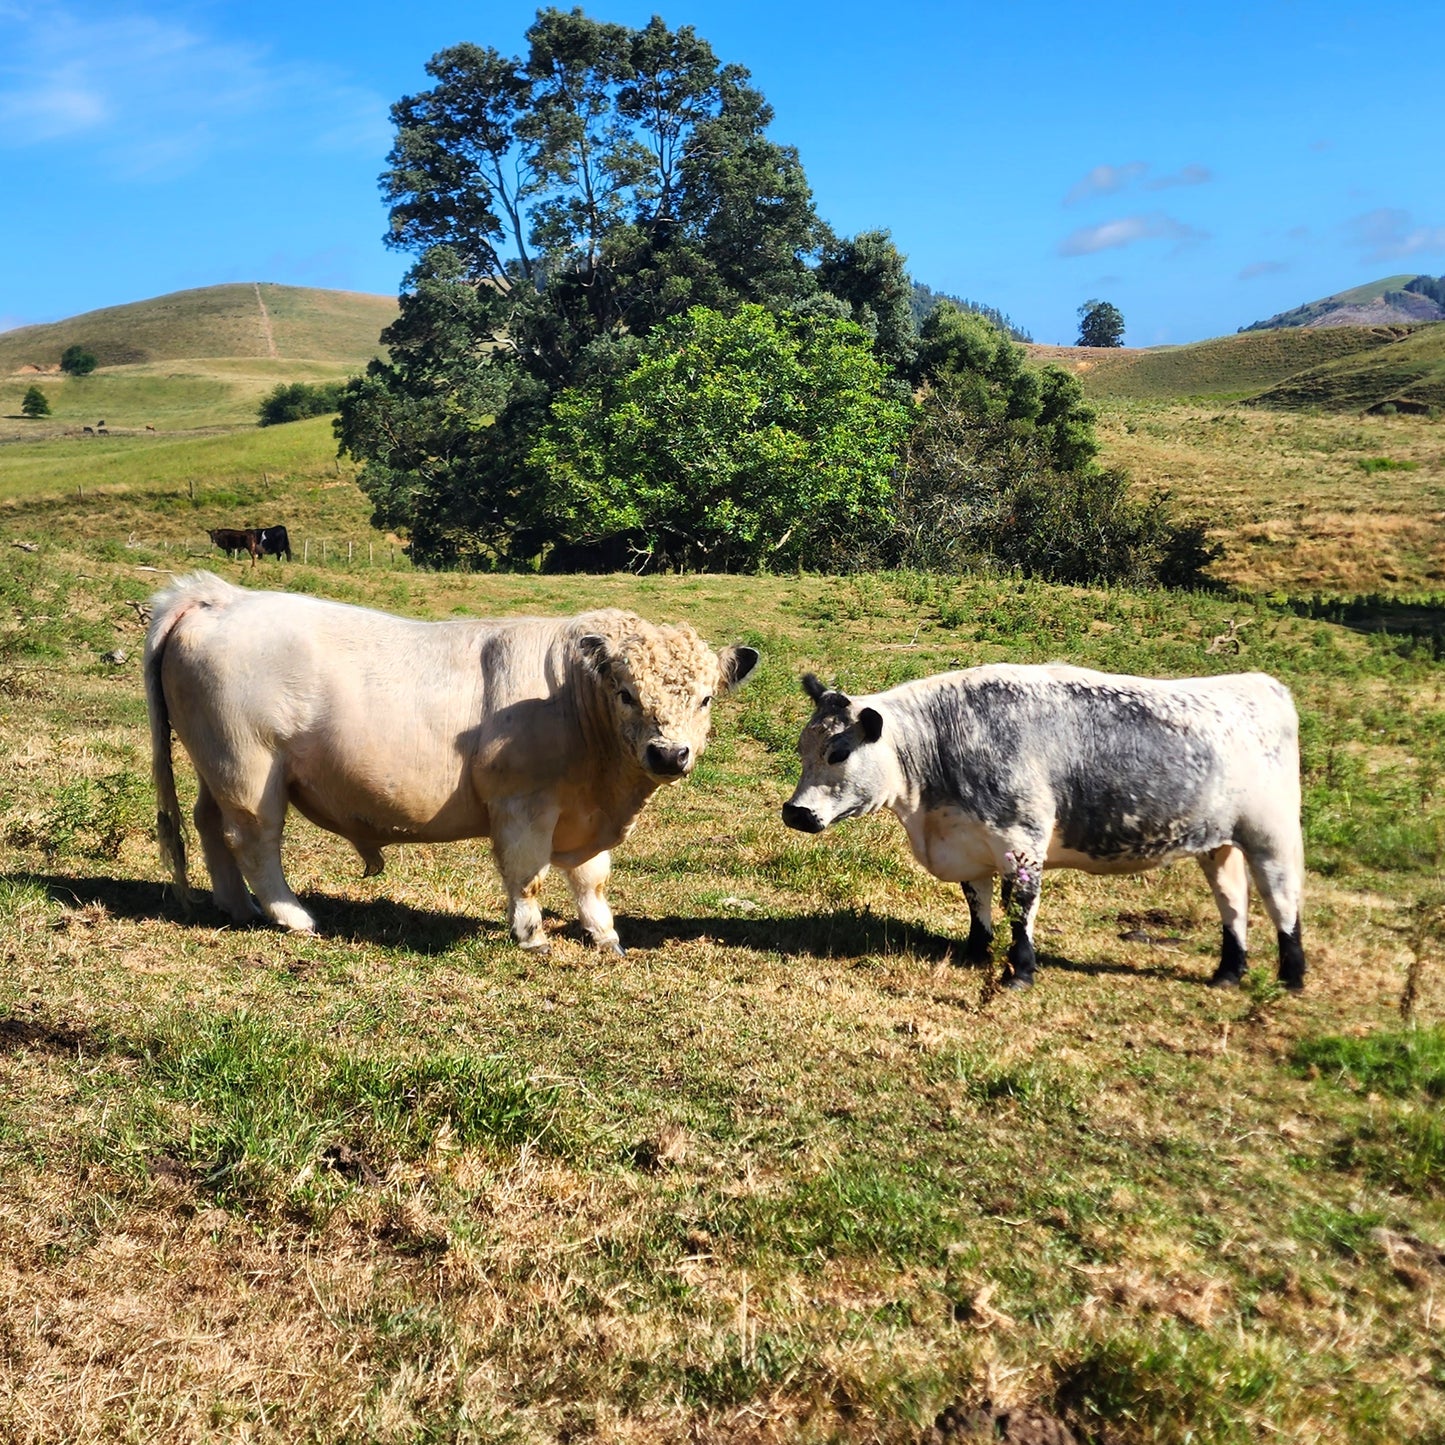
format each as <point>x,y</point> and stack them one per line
<point>813,687</point>
<point>738,663</point>
<point>870,724</point>
<point>594,649</point>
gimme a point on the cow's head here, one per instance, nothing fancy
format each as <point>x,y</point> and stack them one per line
<point>661,683</point>
<point>845,773</point>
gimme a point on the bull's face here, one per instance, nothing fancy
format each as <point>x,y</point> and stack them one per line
<point>661,683</point>
<point>845,774</point>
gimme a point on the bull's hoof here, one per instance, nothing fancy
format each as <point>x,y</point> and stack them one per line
<point>535,947</point>
<point>611,945</point>
<point>1019,982</point>
<point>1292,985</point>
<point>1225,980</point>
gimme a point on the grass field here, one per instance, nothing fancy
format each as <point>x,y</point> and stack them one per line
<point>788,1171</point>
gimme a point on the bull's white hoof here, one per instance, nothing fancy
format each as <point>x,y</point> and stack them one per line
<point>611,945</point>
<point>539,947</point>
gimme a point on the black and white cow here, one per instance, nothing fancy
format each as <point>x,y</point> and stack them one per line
<point>1008,770</point>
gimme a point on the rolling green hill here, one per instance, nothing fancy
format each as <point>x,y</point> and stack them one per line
<point>246,320</point>
<point>1408,375</point>
<point>1226,368</point>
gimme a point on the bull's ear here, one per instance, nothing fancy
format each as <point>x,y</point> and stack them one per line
<point>870,724</point>
<point>813,687</point>
<point>737,663</point>
<point>594,649</point>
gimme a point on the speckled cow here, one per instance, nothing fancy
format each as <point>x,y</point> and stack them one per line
<point>1008,770</point>
<point>547,735</point>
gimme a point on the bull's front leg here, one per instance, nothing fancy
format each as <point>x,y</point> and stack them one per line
<point>1023,871</point>
<point>587,881</point>
<point>522,846</point>
<point>979,893</point>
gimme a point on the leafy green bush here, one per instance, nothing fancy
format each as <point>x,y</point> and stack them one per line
<point>296,400</point>
<point>735,442</point>
<point>77,361</point>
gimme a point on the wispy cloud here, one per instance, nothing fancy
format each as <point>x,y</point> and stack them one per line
<point>1105,181</point>
<point>1389,234</point>
<point>154,97</point>
<point>1125,231</point>
<point>1261,268</point>
<point>1110,180</point>
<point>1190,175</point>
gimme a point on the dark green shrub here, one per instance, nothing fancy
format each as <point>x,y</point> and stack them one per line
<point>296,400</point>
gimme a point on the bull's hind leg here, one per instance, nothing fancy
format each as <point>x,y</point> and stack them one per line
<point>587,881</point>
<point>1279,876</point>
<point>254,836</point>
<point>979,893</point>
<point>1229,882</point>
<point>1023,871</point>
<point>522,845</point>
<point>228,887</point>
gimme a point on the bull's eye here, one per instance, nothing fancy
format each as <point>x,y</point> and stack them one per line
<point>626,698</point>
<point>838,754</point>
<point>707,701</point>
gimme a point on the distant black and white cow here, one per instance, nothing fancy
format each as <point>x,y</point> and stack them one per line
<point>1008,770</point>
<point>273,542</point>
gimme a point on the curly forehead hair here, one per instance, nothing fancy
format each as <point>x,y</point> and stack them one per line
<point>659,658</point>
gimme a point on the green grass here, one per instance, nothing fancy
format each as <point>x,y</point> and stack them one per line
<point>1408,374</point>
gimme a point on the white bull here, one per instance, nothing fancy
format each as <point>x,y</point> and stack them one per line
<point>547,735</point>
<point>1008,770</point>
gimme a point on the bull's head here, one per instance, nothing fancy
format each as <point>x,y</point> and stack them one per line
<point>843,774</point>
<point>661,682</point>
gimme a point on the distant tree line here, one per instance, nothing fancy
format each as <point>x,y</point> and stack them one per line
<point>1432,287</point>
<point>629,340</point>
<point>925,298</point>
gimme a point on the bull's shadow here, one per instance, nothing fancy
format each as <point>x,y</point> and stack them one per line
<point>381,921</point>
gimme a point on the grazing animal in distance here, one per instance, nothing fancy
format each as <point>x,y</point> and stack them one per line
<point>88,430</point>
<point>237,539</point>
<point>1008,770</point>
<point>547,735</point>
<point>149,427</point>
<point>273,542</point>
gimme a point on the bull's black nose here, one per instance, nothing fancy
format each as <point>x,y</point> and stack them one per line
<point>667,760</point>
<point>805,820</point>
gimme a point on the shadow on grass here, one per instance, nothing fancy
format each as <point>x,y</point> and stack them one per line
<point>1421,619</point>
<point>381,921</point>
<point>854,933</point>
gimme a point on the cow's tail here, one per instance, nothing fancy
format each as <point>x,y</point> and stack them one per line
<point>167,609</point>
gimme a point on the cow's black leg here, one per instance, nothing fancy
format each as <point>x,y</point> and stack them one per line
<point>1292,959</point>
<point>1229,882</point>
<point>1025,871</point>
<point>979,947</point>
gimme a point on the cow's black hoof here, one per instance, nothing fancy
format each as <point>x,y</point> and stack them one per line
<point>1225,980</point>
<point>1019,982</point>
<point>1292,985</point>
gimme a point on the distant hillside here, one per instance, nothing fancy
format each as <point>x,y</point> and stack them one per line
<point>1407,375</point>
<point>1395,301</point>
<point>925,298</point>
<point>241,321</point>
<point>1226,368</point>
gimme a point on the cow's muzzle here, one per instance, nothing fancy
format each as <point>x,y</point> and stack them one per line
<point>805,820</point>
<point>668,760</point>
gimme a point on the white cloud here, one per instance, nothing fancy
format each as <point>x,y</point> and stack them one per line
<point>1390,234</point>
<point>1125,231</point>
<point>1261,268</point>
<point>1190,175</point>
<point>153,97</point>
<point>1105,180</point>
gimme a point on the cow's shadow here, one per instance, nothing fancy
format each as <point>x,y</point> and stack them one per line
<point>382,921</point>
<point>848,933</point>
<point>839,933</point>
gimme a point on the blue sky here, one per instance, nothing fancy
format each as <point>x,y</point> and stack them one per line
<point>1200,165</point>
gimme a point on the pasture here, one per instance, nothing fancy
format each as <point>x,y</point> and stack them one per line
<point>788,1171</point>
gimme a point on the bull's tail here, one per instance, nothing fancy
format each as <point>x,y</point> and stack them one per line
<point>167,609</point>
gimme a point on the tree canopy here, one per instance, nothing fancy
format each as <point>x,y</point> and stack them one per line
<point>1101,323</point>
<point>77,361</point>
<point>34,403</point>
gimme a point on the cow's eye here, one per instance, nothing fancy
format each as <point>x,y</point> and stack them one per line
<point>707,701</point>
<point>838,755</point>
<point>626,698</point>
